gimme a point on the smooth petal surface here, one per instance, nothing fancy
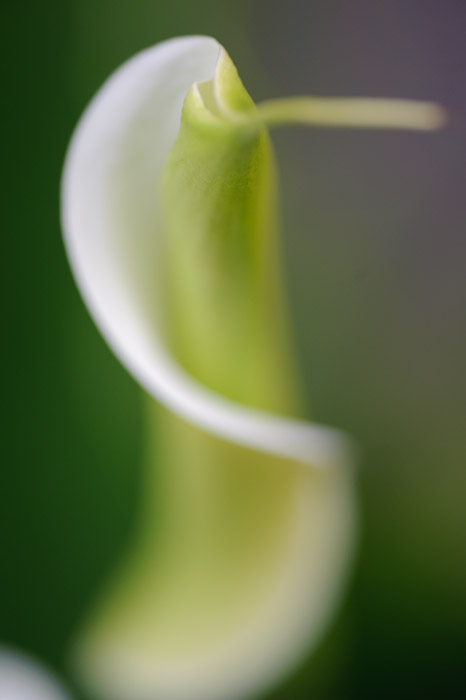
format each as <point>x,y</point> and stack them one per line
<point>263,524</point>
<point>111,221</point>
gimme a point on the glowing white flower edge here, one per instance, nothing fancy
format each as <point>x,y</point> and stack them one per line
<point>21,678</point>
<point>115,159</point>
<point>111,219</point>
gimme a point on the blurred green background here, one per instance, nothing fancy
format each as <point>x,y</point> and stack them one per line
<point>374,236</point>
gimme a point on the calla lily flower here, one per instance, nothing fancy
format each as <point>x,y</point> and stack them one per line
<point>21,678</point>
<point>169,207</point>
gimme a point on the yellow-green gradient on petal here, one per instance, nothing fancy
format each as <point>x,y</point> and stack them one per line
<point>240,560</point>
<point>171,219</point>
<point>224,313</point>
<point>241,554</point>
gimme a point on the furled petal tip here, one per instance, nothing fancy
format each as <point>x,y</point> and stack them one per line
<point>112,223</point>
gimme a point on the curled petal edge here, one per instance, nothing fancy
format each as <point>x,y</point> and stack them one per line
<point>110,184</point>
<point>111,219</point>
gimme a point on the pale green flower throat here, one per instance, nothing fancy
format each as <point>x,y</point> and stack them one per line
<point>224,312</point>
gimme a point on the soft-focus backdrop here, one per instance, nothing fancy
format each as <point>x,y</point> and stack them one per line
<point>374,236</point>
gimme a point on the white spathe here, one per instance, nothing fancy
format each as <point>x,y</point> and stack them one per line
<point>111,219</point>
<point>111,223</point>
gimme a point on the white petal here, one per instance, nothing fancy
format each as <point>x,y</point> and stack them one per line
<point>111,223</point>
<point>23,679</point>
<point>128,661</point>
